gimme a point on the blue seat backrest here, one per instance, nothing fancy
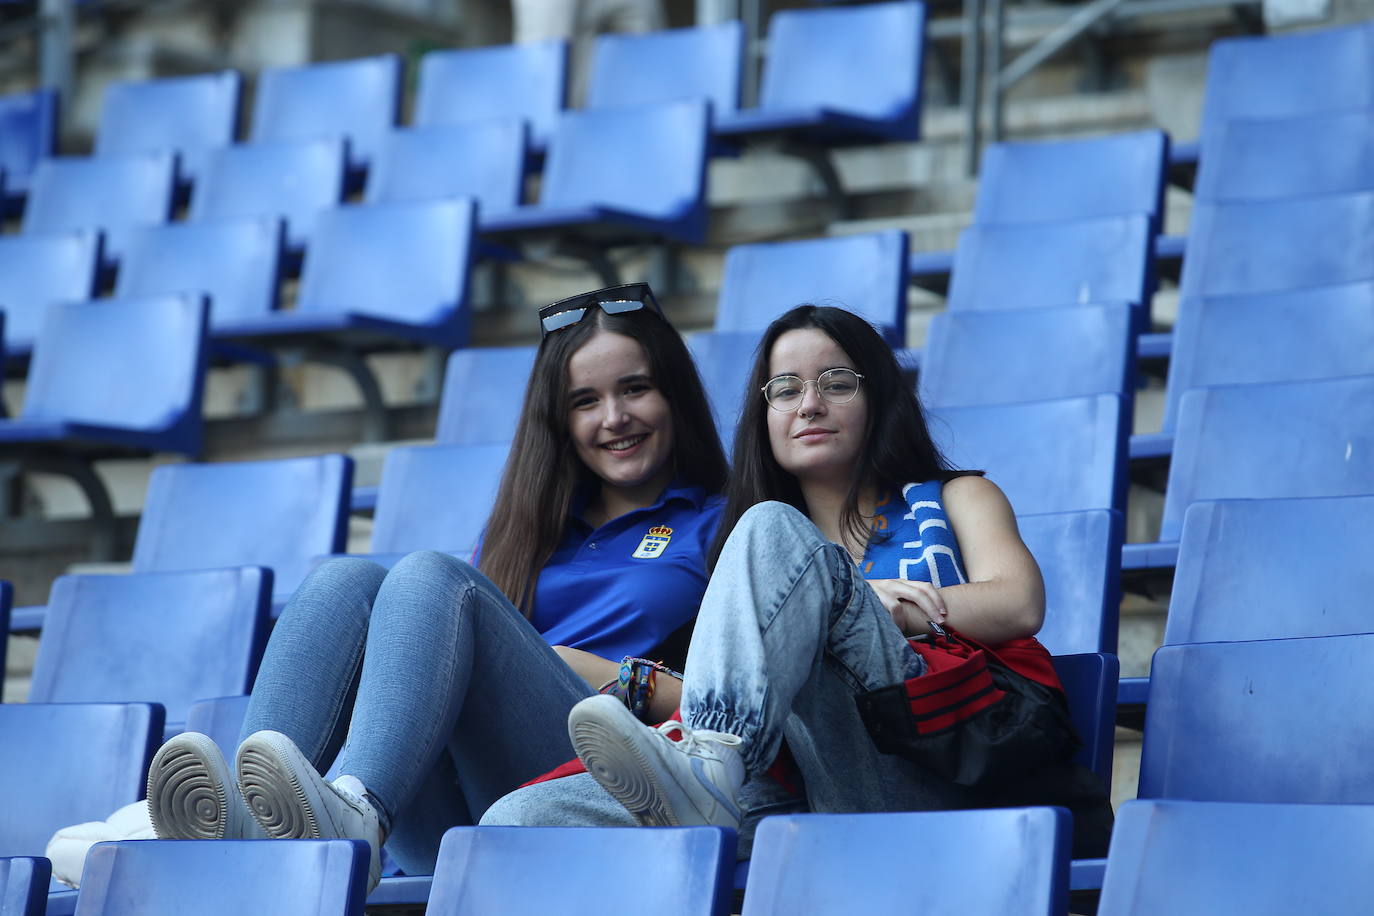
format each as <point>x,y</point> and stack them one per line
<point>1264,159</point>
<point>1090,682</point>
<point>486,870</point>
<point>190,115</point>
<point>484,389</point>
<point>136,365</point>
<point>1013,861</point>
<point>1047,456</point>
<point>28,134</point>
<point>295,181</point>
<point>358,100</point>
<point>221,719</point>
<point>68,763</point>
<point>485,160</point>
<point>1196,858</point>
<point>1079,554</point>
<point>865,274</point>
<point>322,877</point>
<point>41,269</point>
<point>1095,260</point>
<point>1041,181</point>
<point>236,263</point>
<point>526,81</point>
<point>110,193</point>
<point>1270,440</point>
<point>437,497</point>
<point>1222,591</point>
<point>699,63</point>
<point>1314,333</point>
<point>1263,721</point>
<point>168,638</point>
<point>6,596</point>
<point>279,514</point>
<point>976,357</point>
<point>403,262</point>
<point>24,885</point>
<point>723,359</point>
<point>865,60</point>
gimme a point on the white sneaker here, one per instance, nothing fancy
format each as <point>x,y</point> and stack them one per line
<point>291,800</point>
<point>193,796</point>
<point>663,783</point>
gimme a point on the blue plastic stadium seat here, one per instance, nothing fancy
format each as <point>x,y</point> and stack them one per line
<point>112,193</point>
<point>167,638</point>
<point>1079,554</point>
<point>723,359</point>
<point>526,81</point>
<point>189,115</point>
<point>282,878</point>
<point>1090,680</point>
<point>410,518</point>
<point>42,269</point>
<point>683,870</point>
<point>1008,861</point>
<point>294,181</point>
<point>220,719</point>
<point>484,389</point>
<point>699,63</point>
<point>483,160</point>
<point>28,134</point>
<point>981,357</point>
<point>358,100</point>
<point>1264,159</point>
<point>68,763</point>
<point>1193,858</point>
<point>6,603</point>
<point>24,885</point>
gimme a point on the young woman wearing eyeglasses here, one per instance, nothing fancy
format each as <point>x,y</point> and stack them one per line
<point>845,534</point>
<point>437,678</point>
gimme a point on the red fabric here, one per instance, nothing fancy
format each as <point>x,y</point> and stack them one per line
<point>941,699</point>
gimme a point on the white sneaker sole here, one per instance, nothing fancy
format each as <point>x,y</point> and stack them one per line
<point>614,755</point>
<point>277,783</point>
<point>189,791</point>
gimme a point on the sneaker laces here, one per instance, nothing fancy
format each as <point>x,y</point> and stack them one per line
<point>691,740</point>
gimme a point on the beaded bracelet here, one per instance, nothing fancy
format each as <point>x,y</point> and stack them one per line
<point>634,686</point>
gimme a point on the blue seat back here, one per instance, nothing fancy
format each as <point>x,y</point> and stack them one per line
<point>406,263</point>
<point>1007,861</point>
<point>358,100</point>
<point>484,389</point>
<point>24,885</point>
<point>1262,721</point>
<point>168,638</point>
<point>279,514</point>
<point>42,269</point>
<point>977,357</point>
<point>1221,592</point>
<point>1264,159</point>
<point>484,160</point>
<point>1314,333</point>
<point>1063,455</point>
<point>28,134</point>
<point>189,115</point>
<point>236,263</point>
<point>1090,682</point>
<point>321,877</point>
<point>525,81</point>
<point>411,512</point>
<point>865,60</point>
<point>68,763</point>
<point>1043,181</point>
<point>865,274</point>
<point>6,599</point>
<point>647,160</point>
<point>1195,858</point>
<point>700,63</point>
<point>486,870</point>
<point>220,719</point>
<point>135,365</point>
<point>1079,554</point>
<point>1271,440</point>
<point>295,182</point>
<point>723,359</point>
<point>1097,260</point>
<point>110,193</point>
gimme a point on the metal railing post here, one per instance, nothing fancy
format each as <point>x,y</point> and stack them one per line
<point>970,74</point>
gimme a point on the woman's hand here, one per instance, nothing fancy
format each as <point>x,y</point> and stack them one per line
<point>913,605</point>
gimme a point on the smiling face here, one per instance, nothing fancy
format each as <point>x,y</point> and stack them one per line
<point>619,421</point>
<point>818,442</point>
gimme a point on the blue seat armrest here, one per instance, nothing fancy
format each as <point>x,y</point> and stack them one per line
<point>1156,555</point>
<point>1132,691</point>
<point>1086,874</point>
<point>1170,247</point>
<point>27,619</point>
<point>930,263</point>
<point>1151,445</point>
<point>1154,345</point>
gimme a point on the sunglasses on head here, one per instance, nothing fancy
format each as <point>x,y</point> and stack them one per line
<point>613,300</point>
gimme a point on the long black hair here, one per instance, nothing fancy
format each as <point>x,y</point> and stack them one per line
<point>543,471</point>
<point>897,447</point>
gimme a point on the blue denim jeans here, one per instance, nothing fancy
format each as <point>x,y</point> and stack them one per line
<point>442,695</point>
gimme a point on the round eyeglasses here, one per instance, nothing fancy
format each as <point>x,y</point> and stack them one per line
<point>836,386</point>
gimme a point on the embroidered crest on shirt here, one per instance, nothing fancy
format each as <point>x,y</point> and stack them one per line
<point>654,543</point>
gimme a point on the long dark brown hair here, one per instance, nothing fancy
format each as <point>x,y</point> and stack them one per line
<point>897,447</point>
<point>543,471</point>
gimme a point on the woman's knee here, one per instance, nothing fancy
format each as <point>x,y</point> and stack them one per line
<point>340,586</point>
<point>433,566</point>
<point>776,525</point>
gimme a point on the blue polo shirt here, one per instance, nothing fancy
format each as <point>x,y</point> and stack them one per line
<point>623,588</point>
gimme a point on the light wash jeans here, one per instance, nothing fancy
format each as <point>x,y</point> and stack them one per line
<point>788,634</point>
<point>448,698</point>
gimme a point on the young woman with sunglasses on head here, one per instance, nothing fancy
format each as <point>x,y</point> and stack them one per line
<point>437,678</point>
<point>845,535</point>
